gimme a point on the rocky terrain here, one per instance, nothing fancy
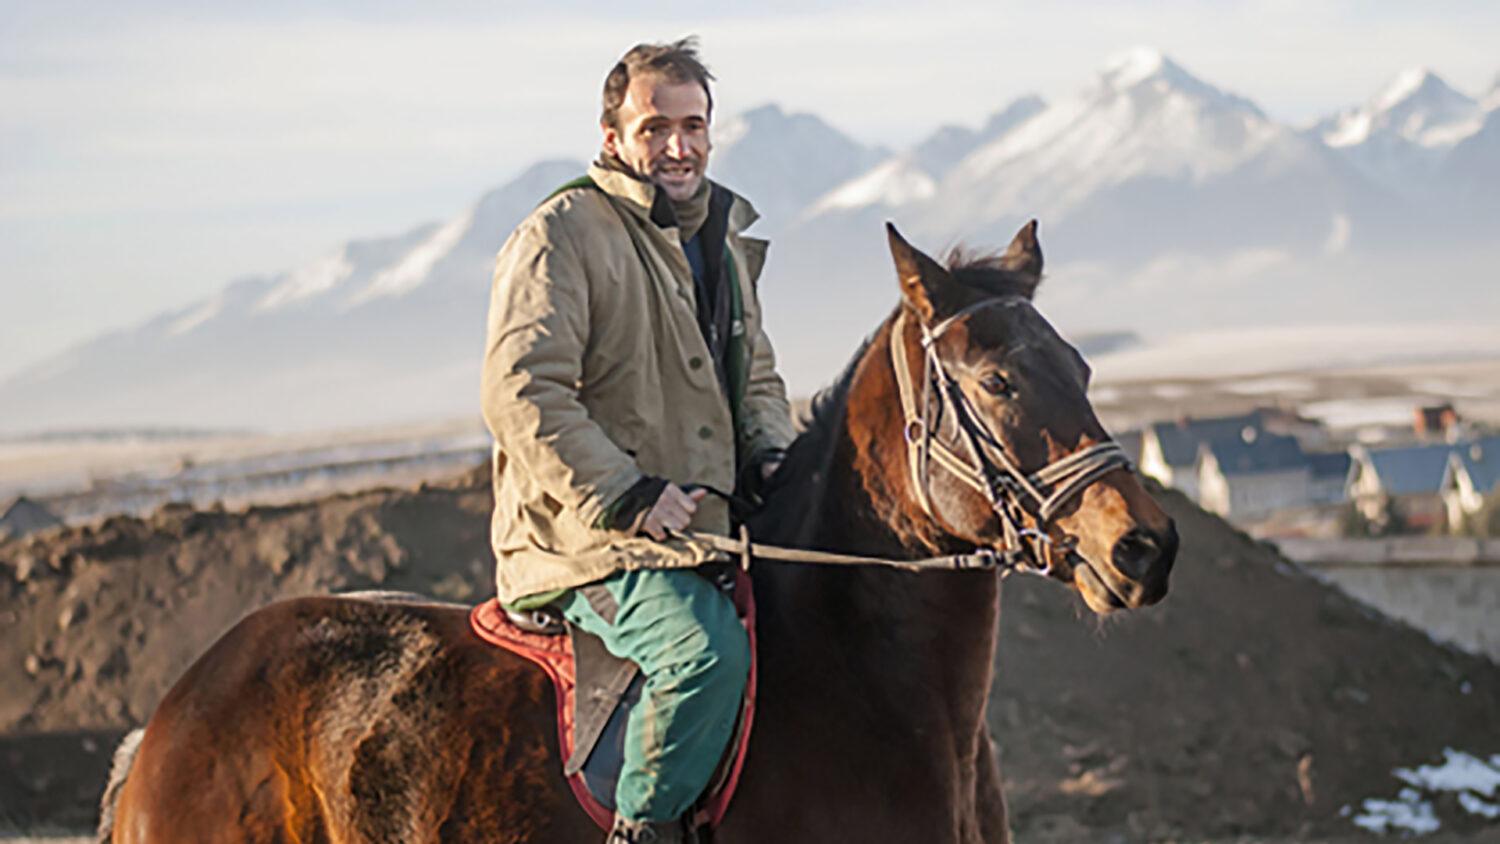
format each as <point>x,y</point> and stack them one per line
<point>1254,704</point>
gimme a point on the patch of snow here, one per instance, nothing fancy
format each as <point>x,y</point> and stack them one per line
<point>414,267</point>
<point>1104,395</point>
<point>1474,806</point>
<point>1350,129</point>
<point>1171,392</point>
<point>1133,66</point>
<point>1266,349</point>
<point>307,281</point>
<point>1450,134</point>
<point>1270,386</point>
<point>1345,414</point>
<point>1450,388</point>
<point>1474,781</point>
<point>196,317</point>
<point>895,182</point>
<point>1406,83</point>
<point>1459,772</point>
<point>1408,813</point>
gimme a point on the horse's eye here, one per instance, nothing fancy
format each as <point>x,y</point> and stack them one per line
<point>995,384</point>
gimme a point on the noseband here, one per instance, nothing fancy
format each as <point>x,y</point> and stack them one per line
<point>984,463</point>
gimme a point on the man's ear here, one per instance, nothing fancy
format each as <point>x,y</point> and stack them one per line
<point>611,139</point>
<point>920,276</point>
<point>1024,256</point>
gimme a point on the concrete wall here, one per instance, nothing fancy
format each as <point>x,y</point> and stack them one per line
<point>1447,586</point>
<point>1458,605</point>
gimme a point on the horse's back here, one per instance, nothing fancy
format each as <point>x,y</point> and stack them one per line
<point>356,718</point>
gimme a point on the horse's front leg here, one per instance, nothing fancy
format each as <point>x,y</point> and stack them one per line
<point>989,796</point>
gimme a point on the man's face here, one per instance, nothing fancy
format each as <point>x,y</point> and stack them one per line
<point>662,133</point>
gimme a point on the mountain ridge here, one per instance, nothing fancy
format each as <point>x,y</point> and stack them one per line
<point>1164,199</point>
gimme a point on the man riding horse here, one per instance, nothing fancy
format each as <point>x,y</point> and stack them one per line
<point>626,362</point>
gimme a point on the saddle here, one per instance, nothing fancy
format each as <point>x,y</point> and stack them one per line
<point>595,692</point>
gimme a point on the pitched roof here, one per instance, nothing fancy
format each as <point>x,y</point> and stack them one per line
<point>1262,453</point>
<point>1481,460</point>
<point>1180,439</point>
<point>22,516</point>
<point>1411,470</point>
<point>1327,465</point>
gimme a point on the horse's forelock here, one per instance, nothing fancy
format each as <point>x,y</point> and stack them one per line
<point>985,272</point>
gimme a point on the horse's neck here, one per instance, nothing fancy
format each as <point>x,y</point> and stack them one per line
<point>927,640</point>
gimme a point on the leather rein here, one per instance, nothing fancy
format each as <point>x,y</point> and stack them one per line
<point>985,466</point>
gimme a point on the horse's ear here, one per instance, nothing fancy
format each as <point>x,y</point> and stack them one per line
<point>1024,255</point>
<point>919,274</point>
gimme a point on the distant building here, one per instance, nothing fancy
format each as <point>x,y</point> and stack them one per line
<point>1253,475</point>
<point>1406,479</point>
<point>1169,450</point>
<point>1330,473</point>
<point>1309,433</point>
<point>1130,443</point>
<point>1437,422</point>
<point>1471,478</point>
<point>23,516</point>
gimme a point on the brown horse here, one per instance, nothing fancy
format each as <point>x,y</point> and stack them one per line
<point>341,719</point>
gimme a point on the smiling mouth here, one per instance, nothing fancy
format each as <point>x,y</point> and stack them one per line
<point>676,171</point>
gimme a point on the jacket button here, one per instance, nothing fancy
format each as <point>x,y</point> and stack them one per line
<point>695,362</point>
<point>705,433</point>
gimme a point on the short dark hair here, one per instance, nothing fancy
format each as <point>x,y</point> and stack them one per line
<point>677,61</point>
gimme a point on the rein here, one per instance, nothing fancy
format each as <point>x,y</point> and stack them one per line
<point>985,465</point>
<point>746,550</point>
<point>991,472</point>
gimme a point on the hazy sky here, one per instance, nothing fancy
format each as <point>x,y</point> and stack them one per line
<point>152,151</point>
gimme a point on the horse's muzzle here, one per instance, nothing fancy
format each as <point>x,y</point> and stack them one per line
<point>1144,558</point>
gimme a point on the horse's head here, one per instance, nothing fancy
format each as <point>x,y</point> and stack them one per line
<point>1004,449</point>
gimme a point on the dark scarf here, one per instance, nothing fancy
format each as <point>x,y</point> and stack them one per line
<point>688,214</point>
<point>704,216</point>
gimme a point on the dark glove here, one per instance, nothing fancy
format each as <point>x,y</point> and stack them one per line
<point>628,512</point>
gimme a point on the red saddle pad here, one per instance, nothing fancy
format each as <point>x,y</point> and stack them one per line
<point>555,655</point>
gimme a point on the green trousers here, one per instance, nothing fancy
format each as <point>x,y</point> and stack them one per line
<point>695,656</point>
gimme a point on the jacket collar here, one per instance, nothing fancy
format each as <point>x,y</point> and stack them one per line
<point>639,197</point>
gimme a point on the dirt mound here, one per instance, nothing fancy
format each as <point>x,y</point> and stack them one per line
<point>1254,702</point>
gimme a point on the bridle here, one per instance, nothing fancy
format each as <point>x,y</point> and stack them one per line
<point>984,463</point>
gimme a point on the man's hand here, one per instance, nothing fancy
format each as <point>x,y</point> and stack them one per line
<point>672,511</point>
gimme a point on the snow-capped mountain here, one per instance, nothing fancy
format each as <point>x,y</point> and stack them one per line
<point>1399,136</point>
<point>1417,106</point>
<point>1166,204</point>
<point>1144,121</point>
<point>913,175</point>
<point>377,330</point>
<point>784,161</point>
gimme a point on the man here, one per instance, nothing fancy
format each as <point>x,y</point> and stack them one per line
<point>626,361</point>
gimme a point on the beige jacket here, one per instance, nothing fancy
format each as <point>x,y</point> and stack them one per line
<point>596,373</point>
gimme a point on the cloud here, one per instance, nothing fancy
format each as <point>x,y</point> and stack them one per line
<point>149,151</point>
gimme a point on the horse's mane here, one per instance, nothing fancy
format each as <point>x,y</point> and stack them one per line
<point>810,455</point>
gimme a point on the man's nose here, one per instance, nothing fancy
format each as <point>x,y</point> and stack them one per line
<point>675,144</point>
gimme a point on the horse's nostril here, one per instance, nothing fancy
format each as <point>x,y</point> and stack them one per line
<point>1136,552</point>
